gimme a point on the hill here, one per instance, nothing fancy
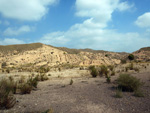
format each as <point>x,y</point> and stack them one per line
<point>38,54</point>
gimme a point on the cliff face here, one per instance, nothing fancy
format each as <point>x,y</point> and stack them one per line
<point>40,54</point>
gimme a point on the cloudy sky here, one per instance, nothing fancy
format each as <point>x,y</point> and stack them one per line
<point>113,25</point>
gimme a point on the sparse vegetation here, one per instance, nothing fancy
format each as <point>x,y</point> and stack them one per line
<point>128,83</point>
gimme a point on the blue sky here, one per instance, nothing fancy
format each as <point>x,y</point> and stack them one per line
<point>113,25</point>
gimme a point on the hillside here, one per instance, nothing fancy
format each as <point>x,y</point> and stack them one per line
<point>38,54</point>
<point>143,54</point>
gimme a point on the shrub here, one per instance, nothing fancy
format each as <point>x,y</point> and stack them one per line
<point>103,70</point>
<point>93,70</point>
<point>71,82</point>
<point>108,79</point>
<point>138,93</point>
<point>43,77</point>
<point>25,88</point>
<point>33,82</point>
<point>7,99</point>
<point>118,93</point>
<point>128,83</point>
<point>131,57</point>
<point>3,64</point>
<point>22,79</point>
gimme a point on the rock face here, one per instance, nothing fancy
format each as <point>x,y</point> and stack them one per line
<point>40,54</point>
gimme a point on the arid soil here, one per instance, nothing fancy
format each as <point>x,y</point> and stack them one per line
<point>85,95</point>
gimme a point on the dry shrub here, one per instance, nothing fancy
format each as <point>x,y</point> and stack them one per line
<point>103,71</point>
<point>129,83</point>
<point>7,99</point>
<point>25,88</point>
<point>93,71</point>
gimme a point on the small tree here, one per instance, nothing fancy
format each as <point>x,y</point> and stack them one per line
<point>131,57</point>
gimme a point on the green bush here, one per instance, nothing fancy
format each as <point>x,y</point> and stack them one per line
<point>93,70</point>
<point>128,83</point>
<point>131,57</point>
<point>7,99</point>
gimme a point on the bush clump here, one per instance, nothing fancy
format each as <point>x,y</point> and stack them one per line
<point>131,57</point>
<point>93,70</point>
<point>25,88</point>
<point>129,83</point>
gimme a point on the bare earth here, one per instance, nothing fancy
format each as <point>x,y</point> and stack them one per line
<point>85,95</point>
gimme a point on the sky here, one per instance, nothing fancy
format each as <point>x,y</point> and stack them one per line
<point>112,25</point>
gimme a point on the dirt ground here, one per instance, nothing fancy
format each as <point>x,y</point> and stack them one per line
<point>85,95</point>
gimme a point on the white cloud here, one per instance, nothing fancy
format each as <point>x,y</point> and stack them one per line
<point>92,33</point>
<point>17,31</point>
<point>99,12</point>
<point>55,39</point>
<point>143,20</point>
<point>125,6</point>
<point>10,41</point>
<point>28,10</point>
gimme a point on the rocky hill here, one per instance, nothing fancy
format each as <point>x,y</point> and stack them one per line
<point>38,54</point>
<point>143,54</point>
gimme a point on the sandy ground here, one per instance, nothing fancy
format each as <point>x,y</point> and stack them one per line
<point>85,95</point>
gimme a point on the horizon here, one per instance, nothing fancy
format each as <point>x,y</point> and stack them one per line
<point>73,48</point>
<point>117,26</point>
